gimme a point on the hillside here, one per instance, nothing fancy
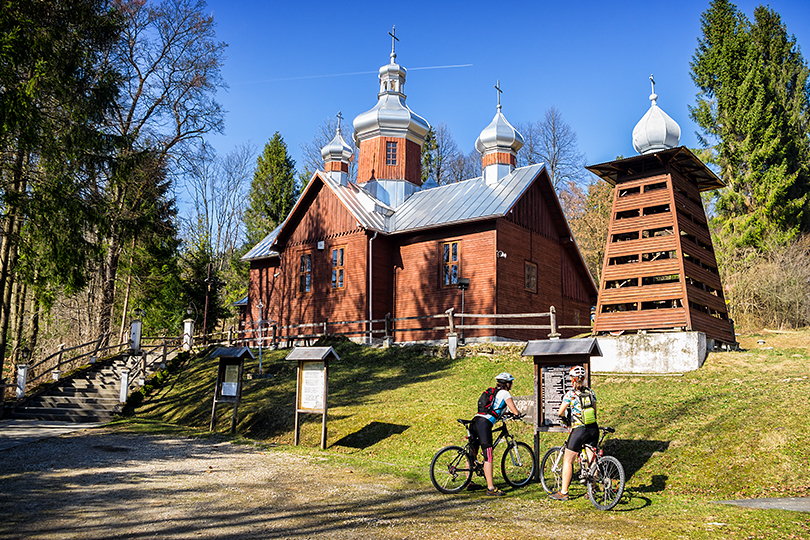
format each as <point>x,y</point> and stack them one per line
<point>737,428</point>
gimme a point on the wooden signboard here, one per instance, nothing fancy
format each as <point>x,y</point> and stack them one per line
<point>228,386</point>
<point>312,385</point>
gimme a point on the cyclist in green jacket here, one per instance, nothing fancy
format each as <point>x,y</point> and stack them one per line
<point>580,403</point>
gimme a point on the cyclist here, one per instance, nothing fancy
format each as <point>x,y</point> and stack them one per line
<point>580,403</point>
<point>481,427</point>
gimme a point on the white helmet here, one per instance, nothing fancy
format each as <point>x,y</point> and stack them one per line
<point>504,377</point>
<point>577,371</point>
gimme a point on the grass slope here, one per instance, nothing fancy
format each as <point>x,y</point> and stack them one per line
<point>736,428</point>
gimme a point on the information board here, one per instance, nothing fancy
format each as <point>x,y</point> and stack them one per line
<point>230,381</point>
<point>556,383</point>
<point>312,386</point>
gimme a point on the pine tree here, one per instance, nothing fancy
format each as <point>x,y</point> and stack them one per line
<point>273,190</point>
<point>752,107</point>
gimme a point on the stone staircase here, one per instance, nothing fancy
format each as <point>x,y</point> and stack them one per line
<point>91,396</point>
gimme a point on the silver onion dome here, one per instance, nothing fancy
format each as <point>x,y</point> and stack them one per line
<point>655,131</point>
<point>337,149</point>
<point>390,117</point>
<point>499,136</point>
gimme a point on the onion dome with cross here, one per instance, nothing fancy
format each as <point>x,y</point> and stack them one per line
<point>655,131</point>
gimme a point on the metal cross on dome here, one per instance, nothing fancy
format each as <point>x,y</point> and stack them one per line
<point>498,88</point>
<point>339,116</point>
<point>394,39</point>
<point>652,83</point>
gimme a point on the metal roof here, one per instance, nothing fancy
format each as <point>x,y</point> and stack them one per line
<point>562,347</point>
<point>262,249</point>
<point>312,353</point>
<point>241,302</point>
<point>680,159</point>
<point>231,352</point>
<point>459,202</point>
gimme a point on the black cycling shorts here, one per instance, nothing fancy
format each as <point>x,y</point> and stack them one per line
<point>583,435</point>
<point>481,429</point>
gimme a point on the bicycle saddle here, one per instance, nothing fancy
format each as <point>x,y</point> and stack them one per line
<point>464,422</point>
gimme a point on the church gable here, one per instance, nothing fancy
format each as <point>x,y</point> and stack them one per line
<point>318,215</point>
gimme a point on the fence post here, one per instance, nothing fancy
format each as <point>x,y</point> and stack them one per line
<point>275,336</point>
<point>188,334</point>
<point>230,336</point>
<point>553,323</point>
<point>388,340</point>
<point>325,330</point>
<point>59,356</point>
<point>452,337</point>
<point>94,356</point>
<point>164,355</point>
<point>122,394</point>
<point>22,377</point>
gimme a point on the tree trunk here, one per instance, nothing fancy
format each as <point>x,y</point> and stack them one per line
<point>8,255</point>
<point>33,323</point>
<point>109,270</point>
<point>126,293</point>
<point>21,293</point>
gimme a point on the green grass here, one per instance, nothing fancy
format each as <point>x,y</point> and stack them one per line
<point>736,428</point>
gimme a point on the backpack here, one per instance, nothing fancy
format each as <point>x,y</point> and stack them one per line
<point>588,401</point>
<point>487,400</point>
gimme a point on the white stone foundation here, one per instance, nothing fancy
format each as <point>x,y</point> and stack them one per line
<point>653,352</point>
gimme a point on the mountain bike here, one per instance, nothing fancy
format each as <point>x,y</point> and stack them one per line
<point>452,467</point>
<point>604,477</point>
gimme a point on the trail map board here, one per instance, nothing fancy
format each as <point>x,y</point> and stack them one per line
<point>555,383</point>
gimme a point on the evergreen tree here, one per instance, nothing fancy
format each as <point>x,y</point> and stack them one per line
<point>273,190</point>
<point>752,107</point>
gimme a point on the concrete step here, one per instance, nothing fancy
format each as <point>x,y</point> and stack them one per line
<point>63,415</point>
<point>73,402</point>
<point>83,392</point>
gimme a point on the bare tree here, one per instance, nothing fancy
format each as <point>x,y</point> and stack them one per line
<point>170,61</point>
<point>217,188</point>
<point>553,142</point>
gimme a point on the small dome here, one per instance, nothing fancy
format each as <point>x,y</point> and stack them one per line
<point>499,136</point>
<point>655,131</point>
<point>337,149</point>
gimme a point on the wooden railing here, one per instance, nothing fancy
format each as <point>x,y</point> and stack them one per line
<point>269,333</point>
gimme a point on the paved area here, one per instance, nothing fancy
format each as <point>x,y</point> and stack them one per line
<point>16,432</point>
<point>797,504</point>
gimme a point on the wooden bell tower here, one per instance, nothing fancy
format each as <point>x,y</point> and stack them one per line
<point>659,271</point>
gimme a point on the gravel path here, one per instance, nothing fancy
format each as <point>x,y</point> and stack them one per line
<point>102,483</point>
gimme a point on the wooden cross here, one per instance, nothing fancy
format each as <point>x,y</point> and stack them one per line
<point>394,39</point>
<point>498,88</point>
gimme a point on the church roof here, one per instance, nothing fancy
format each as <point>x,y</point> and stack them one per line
<point>460,202</point>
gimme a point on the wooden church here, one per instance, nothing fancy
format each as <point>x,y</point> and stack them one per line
<point>659,271</point>
<point>385,243</point>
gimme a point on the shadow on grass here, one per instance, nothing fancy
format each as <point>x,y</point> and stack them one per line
<point>370,435</point>
<point>634,453</point>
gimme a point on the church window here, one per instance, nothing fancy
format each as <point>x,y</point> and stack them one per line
<point>305,273</point>
<point>451,258</point>
<point>530,276</point>
<point>391,153</point>
<point>337,268</point>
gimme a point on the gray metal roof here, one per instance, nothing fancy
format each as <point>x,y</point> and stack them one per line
<point>262,249</point>
<point>562,347</point>
<point>231,352</point>
<point>312,353</point>
<point>459,202</point>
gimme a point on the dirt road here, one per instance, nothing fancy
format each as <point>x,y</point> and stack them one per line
<point>101,483</point>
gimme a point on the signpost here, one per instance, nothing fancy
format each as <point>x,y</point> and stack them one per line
<point>228,387</point>
<point>553,358</point>
<point>312,385</point>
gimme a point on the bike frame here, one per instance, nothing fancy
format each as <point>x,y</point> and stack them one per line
<point>594,449</point>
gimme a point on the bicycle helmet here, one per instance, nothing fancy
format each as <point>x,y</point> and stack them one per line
<point>504,377</point>
<point>577,372</point>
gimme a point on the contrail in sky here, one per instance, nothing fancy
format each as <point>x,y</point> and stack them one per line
<point>326,76</point>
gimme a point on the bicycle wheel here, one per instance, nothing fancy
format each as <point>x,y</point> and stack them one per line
<point>451,469</point>
<point>517,464</point>
<point>551,469</point>
<point>607,486</point>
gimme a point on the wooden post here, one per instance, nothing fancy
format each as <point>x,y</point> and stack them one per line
<point>536,421</point>
<point>452,327</point>
<point>275,336</point>
<point>230,336</point>
<point>325,404</point>
<point>59,356</point>
<point>325,330</point>
<point>553,323</point>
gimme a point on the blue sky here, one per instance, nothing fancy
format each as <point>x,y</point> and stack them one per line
<point>591,60</point>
